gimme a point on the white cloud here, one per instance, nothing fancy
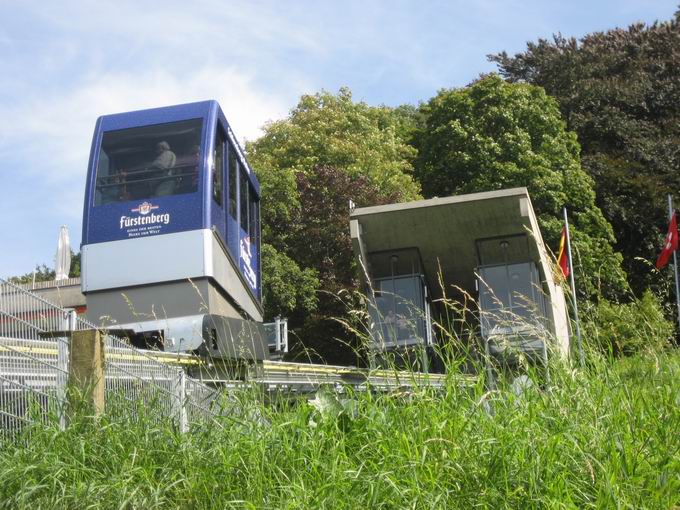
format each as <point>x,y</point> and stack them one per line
<point>50,137</point>
<point>62,126</point>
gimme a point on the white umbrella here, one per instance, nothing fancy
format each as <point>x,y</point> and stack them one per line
<point>63,257</point>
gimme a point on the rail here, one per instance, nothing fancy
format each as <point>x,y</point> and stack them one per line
<point>304,377</point>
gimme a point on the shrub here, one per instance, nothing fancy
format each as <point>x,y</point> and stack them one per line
<point>625,329</point>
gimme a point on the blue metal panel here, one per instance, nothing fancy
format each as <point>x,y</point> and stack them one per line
<point>187,212</point>
<point>247,264</point>
<point>241,154</point>
<point>119,220</point>
<point>126,220</point>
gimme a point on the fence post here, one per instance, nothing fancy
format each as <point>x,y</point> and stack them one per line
<point>181,401</point>
<point>277,328</point>
<point>86,371</point>
<point>62,365</point>
<point>285,335</point>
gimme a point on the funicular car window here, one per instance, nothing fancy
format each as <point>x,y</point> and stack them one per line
<point>148,162</point>
<point>233,175</point>
<point>217,168</point>
<point>254,217</point>
<point>243,199</point>
<point>398,313</point>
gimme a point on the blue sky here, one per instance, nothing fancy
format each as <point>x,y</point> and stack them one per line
<point>62,64</point>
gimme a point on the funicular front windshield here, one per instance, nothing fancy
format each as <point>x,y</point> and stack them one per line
<point>148,162</point>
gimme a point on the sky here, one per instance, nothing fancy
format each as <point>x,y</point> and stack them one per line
<point>63,64</point>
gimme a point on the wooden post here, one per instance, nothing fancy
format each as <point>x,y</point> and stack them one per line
<point>86,372</point>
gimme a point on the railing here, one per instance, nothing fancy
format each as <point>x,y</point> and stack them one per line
<point>305,377</point>
<point>277,336</point>
<point>34,354</point>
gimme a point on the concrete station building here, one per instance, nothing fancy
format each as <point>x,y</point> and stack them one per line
<point>486,246</point>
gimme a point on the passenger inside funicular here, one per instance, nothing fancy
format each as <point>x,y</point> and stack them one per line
<point>147,162</point>
<point>164,164</point>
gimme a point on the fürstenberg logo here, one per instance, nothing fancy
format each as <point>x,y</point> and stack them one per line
<point>145,219</point>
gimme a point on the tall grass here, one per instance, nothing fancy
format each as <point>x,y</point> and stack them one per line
<point>606,436</point>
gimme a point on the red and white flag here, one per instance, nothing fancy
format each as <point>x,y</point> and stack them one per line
<point>670,244</point>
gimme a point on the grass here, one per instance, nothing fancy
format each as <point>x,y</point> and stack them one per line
<point>603,437</point>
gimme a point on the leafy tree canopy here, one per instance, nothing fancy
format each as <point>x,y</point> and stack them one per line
<point>619,90</point>
<point>318,240</point>
<point>331,130</point>
<point>42,273</point>
<point>330,149</point>
<point>494,135</point>
<point>287,289</point>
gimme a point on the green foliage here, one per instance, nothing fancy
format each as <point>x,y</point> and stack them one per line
<point>333,130</point>
<point>604,437</point>
<point>318,239</point>
<point>493,135</point>
<point>287,289</point>
<point>329,150</point>
<point>42,273</point>
<point>619,90</point>
<point>626,329</point>
<point>45,274</point>
<point>319,236</point>
<point>74,269</point>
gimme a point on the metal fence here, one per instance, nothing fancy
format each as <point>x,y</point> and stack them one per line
<point>277,337</point>
<point>34,354</point>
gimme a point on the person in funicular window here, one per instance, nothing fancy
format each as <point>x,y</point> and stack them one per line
<point>162,167</point>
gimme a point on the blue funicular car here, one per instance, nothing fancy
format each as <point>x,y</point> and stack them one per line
<point>171,232</point>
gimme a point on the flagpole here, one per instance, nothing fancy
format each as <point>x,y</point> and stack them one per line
<point>675,261</point>
<point>573,290</point>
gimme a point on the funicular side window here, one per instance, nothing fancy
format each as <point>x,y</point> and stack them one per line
<point>399,313</point>
<point>249,254</point>
<point>233,173</point>
<point>510,296</point>
<point>254,217</point>
<point>218,163</point>
<point>244,201</point>
<point>148,162</point>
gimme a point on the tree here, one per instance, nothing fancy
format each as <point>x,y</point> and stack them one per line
<point>321,241</point>
<point>318,241</point>
<point>330,130</point>
<point>493,135</point>
<point>287,289</point>
<point>42,273</point>
<point>329,150</point>
<point>619,90</point>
